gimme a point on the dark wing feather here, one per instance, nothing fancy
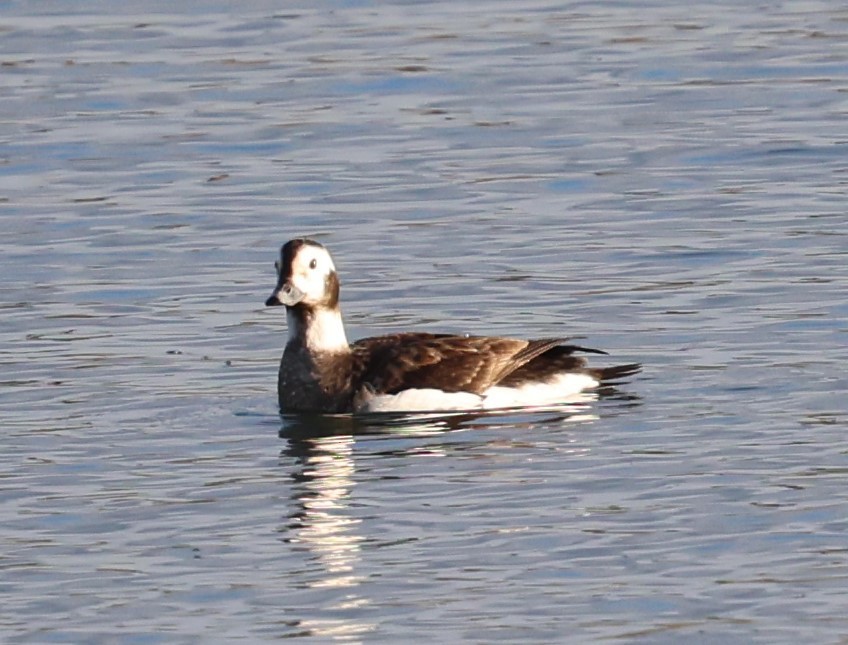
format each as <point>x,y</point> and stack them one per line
<point>561,359</point>
<point>390,364</point>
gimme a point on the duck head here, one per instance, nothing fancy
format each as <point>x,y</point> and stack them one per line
<point>306,276</point>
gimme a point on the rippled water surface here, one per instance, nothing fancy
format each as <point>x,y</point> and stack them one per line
<point>666,180</point>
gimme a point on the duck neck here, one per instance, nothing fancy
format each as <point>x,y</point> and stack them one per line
<point>319,330</point>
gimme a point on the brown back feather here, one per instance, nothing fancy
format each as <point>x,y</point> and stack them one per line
<point>397,362</point>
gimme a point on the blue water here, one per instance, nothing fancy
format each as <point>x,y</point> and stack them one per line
<point>665,181</point>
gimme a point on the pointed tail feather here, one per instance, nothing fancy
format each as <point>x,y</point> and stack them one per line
<point>608,375</point>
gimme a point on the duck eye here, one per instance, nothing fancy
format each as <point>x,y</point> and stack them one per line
<point>313,263</point>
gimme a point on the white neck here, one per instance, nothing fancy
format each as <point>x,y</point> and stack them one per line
<point>324,332</point>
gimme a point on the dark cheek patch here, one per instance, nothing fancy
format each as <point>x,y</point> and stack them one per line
<point>331,288</point>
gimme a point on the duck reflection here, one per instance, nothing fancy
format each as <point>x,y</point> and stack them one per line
<point>321,522</point>
<point>320,457</point>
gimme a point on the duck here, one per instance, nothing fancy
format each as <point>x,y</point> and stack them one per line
<point>411,372</point>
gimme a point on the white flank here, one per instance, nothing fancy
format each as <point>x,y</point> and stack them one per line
<point>325,332</point>
<point>560,389</point>
<point>421,400</point>
<point>564,389</point>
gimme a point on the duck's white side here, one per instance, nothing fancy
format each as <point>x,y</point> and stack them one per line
<point>561,390</point>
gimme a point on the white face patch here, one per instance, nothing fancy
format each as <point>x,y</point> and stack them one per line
<point>309,272</point>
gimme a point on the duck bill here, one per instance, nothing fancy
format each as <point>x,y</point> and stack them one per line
<point>287,294</point>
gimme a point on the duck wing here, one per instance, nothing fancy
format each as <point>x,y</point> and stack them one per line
<point>391,364</point>
<point>561,360</point>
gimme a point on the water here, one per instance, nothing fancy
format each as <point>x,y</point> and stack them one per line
<point>668,181</point>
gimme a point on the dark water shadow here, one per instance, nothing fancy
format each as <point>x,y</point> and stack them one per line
<point>297,427</point>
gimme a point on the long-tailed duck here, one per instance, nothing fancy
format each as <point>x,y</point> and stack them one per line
<point>409,372</point>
